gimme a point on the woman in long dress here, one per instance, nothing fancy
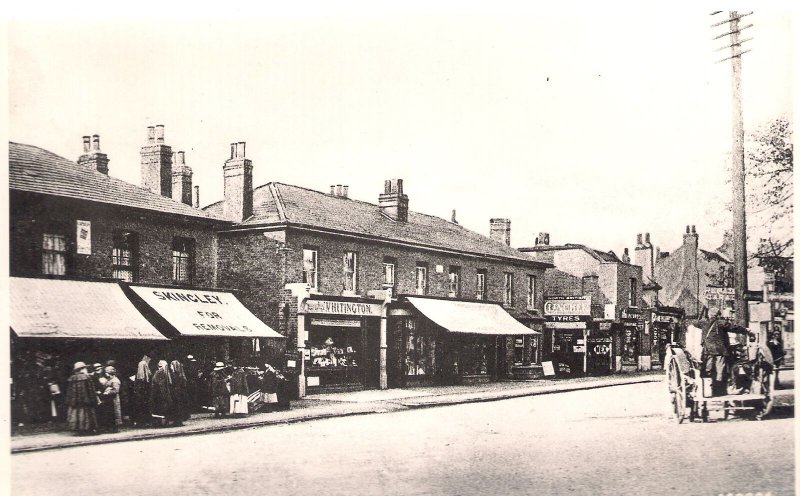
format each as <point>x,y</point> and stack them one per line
<point>239,392</point>
<point>162,400</point>
<point>111,401</point>
<point>81,401</point>
<point>180,387</point>
<point>219,390</point>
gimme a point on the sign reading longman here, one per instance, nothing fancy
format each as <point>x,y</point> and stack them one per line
<point>568,306</point>
<point>343,308</point>
<point>204,313</point>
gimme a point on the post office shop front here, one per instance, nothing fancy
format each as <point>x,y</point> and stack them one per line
<point>341,343</point>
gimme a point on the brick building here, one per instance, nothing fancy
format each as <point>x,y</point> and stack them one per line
<point>376,295</point>
<point>593,307</point>
<point>104,269</point>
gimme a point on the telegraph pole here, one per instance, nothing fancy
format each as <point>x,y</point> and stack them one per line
<point>737,163</point>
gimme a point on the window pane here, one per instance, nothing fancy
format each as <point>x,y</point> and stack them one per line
<point>54,248</point>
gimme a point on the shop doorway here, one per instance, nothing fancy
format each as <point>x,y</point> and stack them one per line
<point>372,350</point>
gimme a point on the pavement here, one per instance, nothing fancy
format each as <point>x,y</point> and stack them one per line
<point>320,406</point>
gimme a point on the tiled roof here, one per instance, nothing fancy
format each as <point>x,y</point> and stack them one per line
<point>603,256</point>
<point>35,170</point>
<point>283,203</point>
<point>715,256</point>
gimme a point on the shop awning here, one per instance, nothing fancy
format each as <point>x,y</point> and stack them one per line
<point>470,317</point>
<point>204,313</point>
<point>56,308</point>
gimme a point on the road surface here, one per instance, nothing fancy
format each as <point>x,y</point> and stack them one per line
<point>616,440</point>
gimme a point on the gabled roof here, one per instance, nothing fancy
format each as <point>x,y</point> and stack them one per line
<point>36,170</point>
<point>602,256</point>
<point>279,203</point>
<point>714,256</point>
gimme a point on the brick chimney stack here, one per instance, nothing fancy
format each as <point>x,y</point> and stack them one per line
<point>644,257</point>
<point>543,239</point>
<point>92,156</point>
<point>157,163</point>
<point>500,230</point>
<point>181,179</point>
<point>392,202</point>
<point>238,172</point>
<point>690,244</point>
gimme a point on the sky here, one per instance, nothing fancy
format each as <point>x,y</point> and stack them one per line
<point>592,125</point>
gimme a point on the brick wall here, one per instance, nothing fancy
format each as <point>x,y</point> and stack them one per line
<point>32,215</point>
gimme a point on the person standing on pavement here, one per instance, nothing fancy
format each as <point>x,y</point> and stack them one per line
<point>269,388</point>
<point>81,401</point>
<point>162,395</point>
<point>192,370</point>
<point>110,410</point>
<point>181,390</point>
<point>239,392</point>
<point>716,348</point>
<point>219,390</point>
<point>141,392</point>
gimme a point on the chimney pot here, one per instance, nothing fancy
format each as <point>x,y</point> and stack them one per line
<point>160,133</point>
<point>151,135</point>
<point>638,240</point>
<point>87,143</point>
<point>96,142</point>
<point>693,231</point>
<point>181,159</point>
<point>345,190</point>
<point>333,189</point>
<point>687,229</point>
<point>453,217</point>
<point>338,190</point>
<point>647,239</point>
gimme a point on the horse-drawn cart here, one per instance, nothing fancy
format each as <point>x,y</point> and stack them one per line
<point>750,385</point>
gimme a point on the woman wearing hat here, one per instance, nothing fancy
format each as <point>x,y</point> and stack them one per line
<point>219,390</point>
<point>81,401</point>
<point>162,394</point>
<point>109,412</point>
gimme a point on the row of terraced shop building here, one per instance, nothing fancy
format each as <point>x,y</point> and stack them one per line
<point>339,293</point>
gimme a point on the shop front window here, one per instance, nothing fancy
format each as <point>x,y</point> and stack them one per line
<point>422,279</point>
<point>480,284</point>
<point>54,254</point>
<point>420,357</point>
<point>454,279</point>
<point>334,354</point>
<point>474,357</point>
<point>519,351</point>
<point>310,267</point>
<point>350,271</point>
<point>123,256</point>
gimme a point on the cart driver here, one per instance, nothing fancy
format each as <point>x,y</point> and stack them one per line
<point>716,347</point>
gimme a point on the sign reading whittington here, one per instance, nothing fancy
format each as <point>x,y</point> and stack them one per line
<point>343,308</point>
<point>204,313</point>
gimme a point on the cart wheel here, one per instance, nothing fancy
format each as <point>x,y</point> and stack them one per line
<point>764,407</point>
<point>680,405</point>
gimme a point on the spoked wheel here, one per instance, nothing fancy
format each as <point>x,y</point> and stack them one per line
<point>679,402</point>
<point>764,406</point>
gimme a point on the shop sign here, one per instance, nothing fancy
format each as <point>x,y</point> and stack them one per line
<point>605,326</point>
<point>84,237</point>
<point>717,293</point>
<point>336,322</point>
<point>669,319</point>
<point>631,313</point>
<point>312,381</point>
<point>565,325</point>
<point>568,306</point>
<point>567,318</point>
<point>343,308</point>
<point>579,349</point>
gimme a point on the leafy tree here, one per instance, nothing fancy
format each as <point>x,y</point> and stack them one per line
<point>770,186</point>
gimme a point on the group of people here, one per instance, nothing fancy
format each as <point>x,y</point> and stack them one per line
<point>165,395</point>
<point>93,399</point>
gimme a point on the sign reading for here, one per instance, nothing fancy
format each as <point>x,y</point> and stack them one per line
<point>204,313</point>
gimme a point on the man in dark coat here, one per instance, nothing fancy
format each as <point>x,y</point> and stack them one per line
<point>162,399</point>
<point>716,347</point>
<point>81,401</point>
<point>141,392</point>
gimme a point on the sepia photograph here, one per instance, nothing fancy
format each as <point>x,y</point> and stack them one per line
<point>400,248</point>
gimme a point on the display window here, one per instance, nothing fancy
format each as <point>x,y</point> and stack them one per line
<point>334,355</point>
<point>420,355</point>
<point>473,356</point>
